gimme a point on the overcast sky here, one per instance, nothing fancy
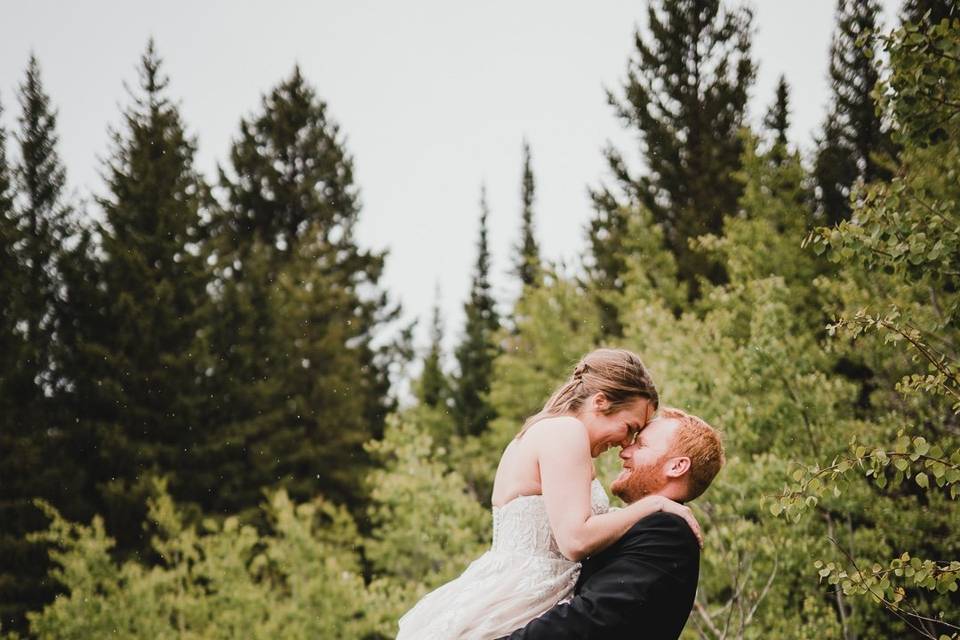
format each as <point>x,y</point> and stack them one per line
<point>435,98</point>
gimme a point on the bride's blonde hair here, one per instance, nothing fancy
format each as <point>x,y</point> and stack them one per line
<point>616,373</point>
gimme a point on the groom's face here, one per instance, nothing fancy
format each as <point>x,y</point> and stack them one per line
<point>645,461</point>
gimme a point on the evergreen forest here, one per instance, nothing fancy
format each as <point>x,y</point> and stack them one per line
<point>202,433</point>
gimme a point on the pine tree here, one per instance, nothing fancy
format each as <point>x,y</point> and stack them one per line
<point>528,265</point>
<point>6,179</point>
<point>32,457</point>
<point>290,169</point>
<point>321,407</point>
<point>853,144</point>
<point>777,120</point>
<point>140,382</point>
<point>607,265</point>
<point>11,342</point>
<point>433,387</point>
<point>43,218</point>
<point>686,96</point>
<point>478,348</point>
<point>15,586</point>
<point>298,307</point>
<point>929,12</point>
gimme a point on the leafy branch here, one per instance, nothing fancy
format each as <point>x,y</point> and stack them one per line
<point>880,582</point>
<point>945,377</point>
<point>909,458</point>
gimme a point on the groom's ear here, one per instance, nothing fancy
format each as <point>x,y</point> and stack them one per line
<point>678,467</point>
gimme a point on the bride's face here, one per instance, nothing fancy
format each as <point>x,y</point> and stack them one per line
<point>615,429</point>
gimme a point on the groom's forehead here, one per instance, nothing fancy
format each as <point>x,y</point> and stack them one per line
<point>659,427</point>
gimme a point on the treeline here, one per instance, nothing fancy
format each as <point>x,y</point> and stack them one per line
<point>222,337</point>
<point>224,343</point>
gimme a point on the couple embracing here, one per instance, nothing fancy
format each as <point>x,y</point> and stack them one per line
<point>563,564</point>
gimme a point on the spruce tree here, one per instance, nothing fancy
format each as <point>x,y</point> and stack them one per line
<point>14,442</point>
<point>528,265</point>
<point>686,96</point>
<point>6,178</point>
<point>43,218</point>
<point>10,284</point>
<point>433,387</point>
<point>478,348</point>
<point>852,145</point>
<point>33,460</point>
<point>290,170</point>
<point>140,381</point>
<point>299,304</point>
<point>607,264</point>
<point>777,121</point>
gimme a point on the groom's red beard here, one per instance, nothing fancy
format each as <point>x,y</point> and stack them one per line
<point>639,482</point>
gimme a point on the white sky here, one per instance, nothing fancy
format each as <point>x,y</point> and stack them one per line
<point>434,96</point>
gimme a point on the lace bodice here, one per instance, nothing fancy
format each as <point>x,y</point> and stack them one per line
<point>519,578</point>
<point>521,525</point>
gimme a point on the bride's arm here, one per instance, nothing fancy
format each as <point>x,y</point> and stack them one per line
<point>563,452</point>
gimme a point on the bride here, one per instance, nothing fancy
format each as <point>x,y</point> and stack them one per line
<point>549,510</point>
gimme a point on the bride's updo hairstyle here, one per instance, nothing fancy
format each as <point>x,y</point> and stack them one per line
<point>617,373</point>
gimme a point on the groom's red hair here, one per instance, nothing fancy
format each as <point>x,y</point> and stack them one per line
<point>697,440</point>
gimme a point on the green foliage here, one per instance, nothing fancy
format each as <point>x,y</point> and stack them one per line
<point>34,224</point>
<point>828,359</point>
<point>478,348</point>
<point>414,487</point>
<point>433,387</point>
<point>300,579</point>
<point>42,215</point>
<point>929,13</point>
<point>140,363</point>
<point>289,170</point>
<point>902,244</point>
<point>749,367</point>
<point>853,142</point>
<point>555,323</point>
<point>777,119</point>
<point>776,205</point>
<point>528,264</point>
<point>299,384</point>
<point>688,115</point>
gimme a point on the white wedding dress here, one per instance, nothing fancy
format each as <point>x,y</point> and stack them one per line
<point>520,577</point>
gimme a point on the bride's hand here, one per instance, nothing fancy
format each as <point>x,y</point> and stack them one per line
<point>669,506</point>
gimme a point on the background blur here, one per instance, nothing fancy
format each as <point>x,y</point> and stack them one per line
<point>278,286</point>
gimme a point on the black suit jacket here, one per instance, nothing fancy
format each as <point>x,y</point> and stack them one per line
<point>641,587</point>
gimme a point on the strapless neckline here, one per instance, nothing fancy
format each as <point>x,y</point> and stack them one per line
<point>509,502</point>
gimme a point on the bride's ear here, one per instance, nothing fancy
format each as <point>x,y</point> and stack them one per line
<point>677,467</point>
<point>600,402</point>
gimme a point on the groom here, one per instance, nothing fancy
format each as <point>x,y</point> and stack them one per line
<point>643,585</point>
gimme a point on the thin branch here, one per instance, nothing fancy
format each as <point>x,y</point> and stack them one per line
<point>919,346</point>
<point>766,589</point>
<point>893,607</point>
<point>707,620</point>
